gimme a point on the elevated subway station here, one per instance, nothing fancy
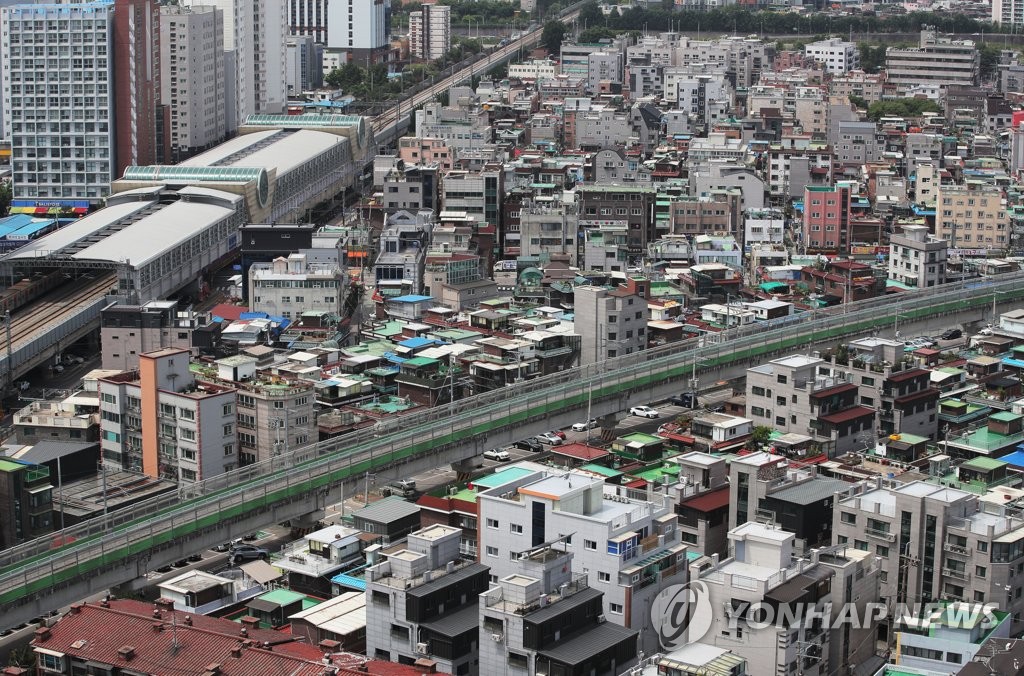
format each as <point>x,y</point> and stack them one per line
<point>163,226</point>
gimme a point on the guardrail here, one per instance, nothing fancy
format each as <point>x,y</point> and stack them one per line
<point>36,566</point>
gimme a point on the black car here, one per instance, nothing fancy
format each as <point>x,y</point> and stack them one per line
<point>686,400</point>
<point>530,444</point>
<point>952,334</point>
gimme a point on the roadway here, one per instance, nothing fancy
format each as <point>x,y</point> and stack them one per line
<point>388,122</point>
<point>35,578</point>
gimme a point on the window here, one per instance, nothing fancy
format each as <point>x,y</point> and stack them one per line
<point>882,550</point>
<point>848,517</point>
<point>492,551</point>
<point>782,380</point>
<point>492,523</point>
<point>516,528</point>
<point>229,449</point>
<point>51,663</point>
<point>590,544</point>
<point>757,391</point>
<point>227,409</point>
<point>229,430</point>
<point>616,608</point>
<point>980,571</point>
<point>603,577</point>
<point>861,545</point>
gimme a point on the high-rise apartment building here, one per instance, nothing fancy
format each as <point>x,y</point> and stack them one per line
<point>359,29</point>
<point>938,60</point>
<point>1008,12</point>
<point>255,31</point>
<point>138,114</point>
<point>308,17</point>
<point>303,63</point>
<point>192,79</point>
<point>430,32</point>
<point>58,90</point>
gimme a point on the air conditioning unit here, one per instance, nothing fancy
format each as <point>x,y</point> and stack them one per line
<point>601,619</point>
<point>421,648</point>
<point>540,673</point>
<point>497,638</point>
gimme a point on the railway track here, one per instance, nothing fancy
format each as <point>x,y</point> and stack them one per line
<point>54,307</point>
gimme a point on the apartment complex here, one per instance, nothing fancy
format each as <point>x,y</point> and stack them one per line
<point>629,549</point>
<point>192,78</point>
<point>359,30</point>
<point>938,60</point>
<point>126,331</point>
<point>422,603</point>
<point>971,216</point>
<point>161,421</point>
<point>81,162</point>
<point>935,542</point>
<point>26,502</point>
<point>430,32</point>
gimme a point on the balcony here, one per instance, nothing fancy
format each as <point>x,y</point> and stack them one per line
<point>955,573</point>
<point>956,549</point>
<point>880,534</point>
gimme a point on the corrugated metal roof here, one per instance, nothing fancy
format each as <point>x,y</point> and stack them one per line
<point>454,624</point>
<point>443,581</point>
<point>387,510</point>
<point>582,647</point>
<point>575,601</point>
<point>340,615</point>
<point>812,491</point>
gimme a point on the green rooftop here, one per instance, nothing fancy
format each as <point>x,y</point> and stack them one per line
<point>1004,416</point>
<point>9,466</point>
<point>281,597</point>
<point>602,470</point>
<point>654,475</point>
<point>641,438</point>
<point>503,477</point>
<point>913,438</point>
<point>420,361</point>
<point>983,464</point>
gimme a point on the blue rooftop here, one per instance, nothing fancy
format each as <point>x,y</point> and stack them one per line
<point>419,341</point>
<point>411,298</point>
<point>1016,458</point>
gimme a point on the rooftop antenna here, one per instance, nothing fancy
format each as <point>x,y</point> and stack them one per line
<point>174,633</point>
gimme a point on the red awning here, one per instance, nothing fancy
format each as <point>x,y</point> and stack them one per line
<point>709,502</point>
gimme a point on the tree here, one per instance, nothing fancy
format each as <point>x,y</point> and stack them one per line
<point>858,102</point>
<point>760,436</point>
<point>552,36</point>
<point>902,108</point>
<point>346,77</point>
<point>590,15</point>
<point>5,197</point>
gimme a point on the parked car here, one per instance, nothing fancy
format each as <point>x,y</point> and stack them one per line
<point>686,400</point>
<point>241,553</point>
<point>549,438</point>
<point>584,426</point>
<point>952,334</point>
<point>917,343</point>
<point>498,455</point>
<point>405,488</point>
<point>530,444</point>
<point>644,412</point>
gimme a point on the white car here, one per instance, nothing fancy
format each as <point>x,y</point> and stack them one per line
<point>497,455</point>
<point>584,426</point>
<point>549,438</point>
<point>644,412</point>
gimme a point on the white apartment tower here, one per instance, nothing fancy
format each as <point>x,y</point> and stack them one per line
<point>836,55</point>
<point>628,548</point>
<point>255,31</point>
<point>192,78</point>
<point>58,98</point>
<point>430,32</point>
<point>308,17</point>
<point>359,29</point>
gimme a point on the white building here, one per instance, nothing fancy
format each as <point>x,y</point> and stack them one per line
<point>535,69</point>
<point>255,30</point>
<point>41,91</point>
<point>287,287</point>
<point>192,78</point>
<point>763,226</point>
<point>359,29</point>
<point>308,17</point>
<point>611,322</point>
<point>836,55</point>
<point>1008,12</point>
<point>628,548</point>
<point>763,569</point>
<point>430,32</point>
<point>303,64</point>
<point>916,258</point>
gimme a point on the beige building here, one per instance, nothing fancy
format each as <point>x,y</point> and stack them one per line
<point>274,415</point>
<point>938,60</point>
<point>972,216</point>
<point>867,86</point>
<point>126,331</point>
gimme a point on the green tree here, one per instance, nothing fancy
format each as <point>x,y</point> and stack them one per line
<point>858,102</point>
<point>552,36</point>
<point>5,197</point>
<point>902,108</point>
<point>590,15</point>
<point>760,436</point>
<point>348,76</point>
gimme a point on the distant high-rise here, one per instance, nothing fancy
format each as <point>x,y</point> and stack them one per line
<point>430,32</point>
<point>308,17</point>
<point>193,78</point>
<point>59,92</point>
<point>255,30</point>
<point>137,111</point>
<point>361,29</point>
